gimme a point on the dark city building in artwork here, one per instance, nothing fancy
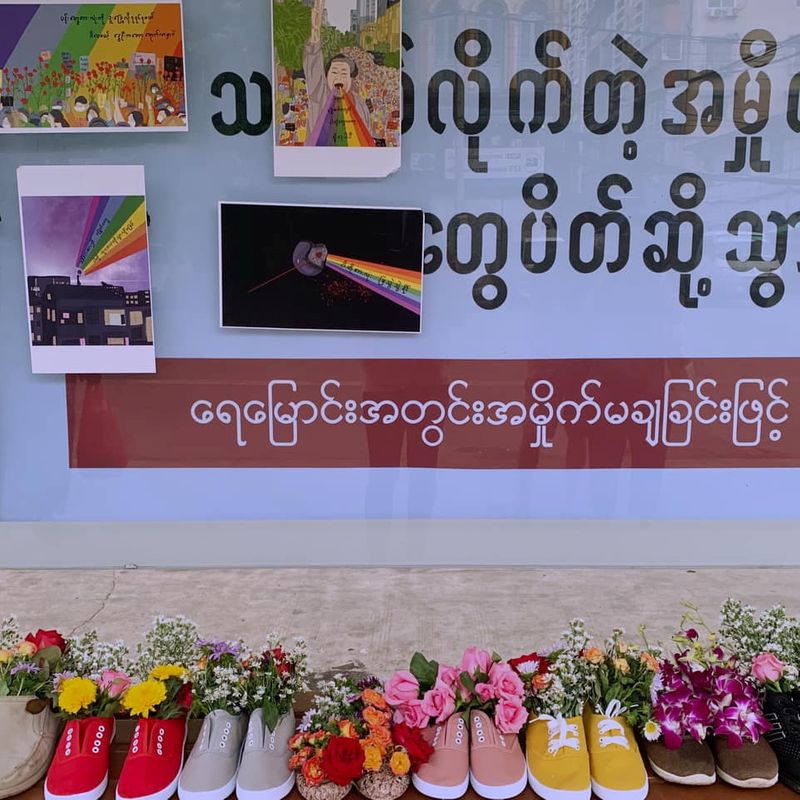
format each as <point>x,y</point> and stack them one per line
<point>66,313</point>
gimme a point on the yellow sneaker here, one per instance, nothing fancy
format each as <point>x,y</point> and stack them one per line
<point>558,759</point>
<point>617,767</point>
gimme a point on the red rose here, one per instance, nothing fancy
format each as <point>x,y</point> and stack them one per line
<point>44,639</point>
<point>418,749</point>
<point>531,664</point>
<point>184,696</point>
<point>343,760</point>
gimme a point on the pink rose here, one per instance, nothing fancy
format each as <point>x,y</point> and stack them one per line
<point>115,684</point>
<point>401,688</point>
<point>448,675</point>
<point>439,702</point>
<point>510,716</point>
<point>505,682</point>
<point>767,668</point>
<point>412,714</point>
<point>485,692</point>
<point>475,660</point>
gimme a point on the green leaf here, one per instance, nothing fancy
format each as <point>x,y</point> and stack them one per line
<point>49,655</point>
<point>424,671</point>
<point>271,715</point>
<point>4,690</point>
<point>467,681</point>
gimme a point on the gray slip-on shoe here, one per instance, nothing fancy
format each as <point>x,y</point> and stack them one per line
<point>210,770</point>
<point>264,773</point>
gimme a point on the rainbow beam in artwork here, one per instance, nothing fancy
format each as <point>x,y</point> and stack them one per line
<point>116,228</point>
<point>401,286</point>
<point>340,124</point>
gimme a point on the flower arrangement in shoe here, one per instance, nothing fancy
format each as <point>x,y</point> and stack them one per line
<point>558,681</point>
<point>348,736</point>
<point>769,642</point>
<point>27,664</point>
<point>701,690</point>
<point>275,678</point>
<point>165,694</point>
<point>93,678</point>
<point>219,677</point>
<point>429,692</point>
<point>623,677</point>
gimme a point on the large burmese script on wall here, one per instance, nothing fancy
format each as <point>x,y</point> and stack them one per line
<point>610,277</point>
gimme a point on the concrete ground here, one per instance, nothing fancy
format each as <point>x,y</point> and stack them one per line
<point>376,618</point>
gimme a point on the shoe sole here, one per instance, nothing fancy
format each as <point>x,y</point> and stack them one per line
<point>604,793</point>
<point>750,783</point>
<point>277,793</point>
<point>699,779</point>
<point>164,794</point>
<point>505,792</point>
<point>440,792</point>
<point>223,793</point>
<point>549,793</point>
<point>92,794</point>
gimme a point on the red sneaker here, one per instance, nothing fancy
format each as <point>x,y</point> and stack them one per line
<point>153,765</point>
<point>79,770</point>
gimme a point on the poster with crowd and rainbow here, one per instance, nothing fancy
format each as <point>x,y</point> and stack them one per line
<point>92,66</point>
<point>338,88</point>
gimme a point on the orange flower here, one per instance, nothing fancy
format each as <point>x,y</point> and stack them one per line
<point>375,699</point>
<point>540,682</point>
<point>312,771</point>
<point>650,661</point>
<point>347,729</point>
<point>379,742</point>
<point>594,655</point>
<point>300,757</point>
<point>297,741</point>
<point>375,718</point>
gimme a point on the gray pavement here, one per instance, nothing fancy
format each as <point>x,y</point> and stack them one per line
<point>378,617</point>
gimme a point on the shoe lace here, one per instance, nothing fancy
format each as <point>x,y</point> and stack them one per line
<point>611,730</point>
<point>560,734</point>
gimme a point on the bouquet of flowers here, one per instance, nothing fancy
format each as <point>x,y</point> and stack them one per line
<point>558,682</point>
<point>428,693</point>
<point>622,679</point>
<point>769,642</point>
<point>219,677</point>
<point>348,736</point>
<point>274,679</point>
<point>702,690</point>
<point>93,678</point>
<point>27,664</point>
<point>166,693</point>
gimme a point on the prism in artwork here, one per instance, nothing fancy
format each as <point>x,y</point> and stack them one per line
<point>87,269</point>
<point>321,267</point>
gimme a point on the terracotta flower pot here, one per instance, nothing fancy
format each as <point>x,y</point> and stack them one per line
<point>325,791</point>
<point>383,785</point>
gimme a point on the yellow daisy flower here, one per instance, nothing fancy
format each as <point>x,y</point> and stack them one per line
<point>652,730</point>
<point>76,695</point>
<point>142,699</point>
<point>167,671</point>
